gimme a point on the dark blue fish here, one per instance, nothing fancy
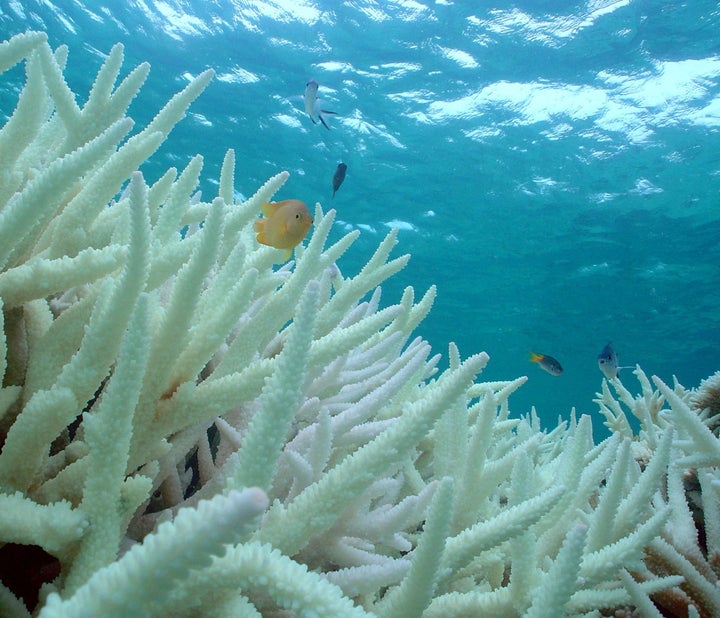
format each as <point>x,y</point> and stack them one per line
<point>338,177</point>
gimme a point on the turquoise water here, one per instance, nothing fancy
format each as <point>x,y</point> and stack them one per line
<point>553,167</point>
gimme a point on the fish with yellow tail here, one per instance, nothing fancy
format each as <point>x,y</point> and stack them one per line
<point>547,363</point>
<point>284,225</point>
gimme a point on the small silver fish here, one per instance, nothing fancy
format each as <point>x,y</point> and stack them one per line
<point>548,363</point>
<point>313,105</point>
<point>608,362</point>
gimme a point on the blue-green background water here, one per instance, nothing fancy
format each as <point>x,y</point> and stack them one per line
<point>553,166</point>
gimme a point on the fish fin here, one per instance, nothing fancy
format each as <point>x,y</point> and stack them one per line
<point>283,228</point>
<point>327,111</point>
<point>269,208</point>
<point>534,358</point>
<point>259,227</point>
<point>287,254</point>
<point>333,195</point>
<point>325,124</point>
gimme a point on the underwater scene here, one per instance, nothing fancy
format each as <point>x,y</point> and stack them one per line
<point>552,167</point>
<point>400,309</point>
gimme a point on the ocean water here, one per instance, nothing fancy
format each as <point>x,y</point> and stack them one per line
<point>552,166</point>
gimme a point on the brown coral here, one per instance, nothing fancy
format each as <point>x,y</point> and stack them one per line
<point>706,399</point>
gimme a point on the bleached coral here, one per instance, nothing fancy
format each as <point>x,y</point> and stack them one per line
<point>163,385</point>
<point>688,543</point>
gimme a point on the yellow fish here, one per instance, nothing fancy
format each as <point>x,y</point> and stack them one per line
<point>284,225</point>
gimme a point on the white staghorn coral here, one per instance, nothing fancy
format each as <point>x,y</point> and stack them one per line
<point>141,581</point>
<point>189,431</point>
<point>686,486</point>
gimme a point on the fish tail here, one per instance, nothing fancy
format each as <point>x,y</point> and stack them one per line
<point>534,358</point>
<point>320,116</point>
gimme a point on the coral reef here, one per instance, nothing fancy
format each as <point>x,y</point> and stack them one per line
<point>706,400</point>
<point>188,431</point>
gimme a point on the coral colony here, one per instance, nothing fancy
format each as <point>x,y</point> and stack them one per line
<point>188,431</point>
